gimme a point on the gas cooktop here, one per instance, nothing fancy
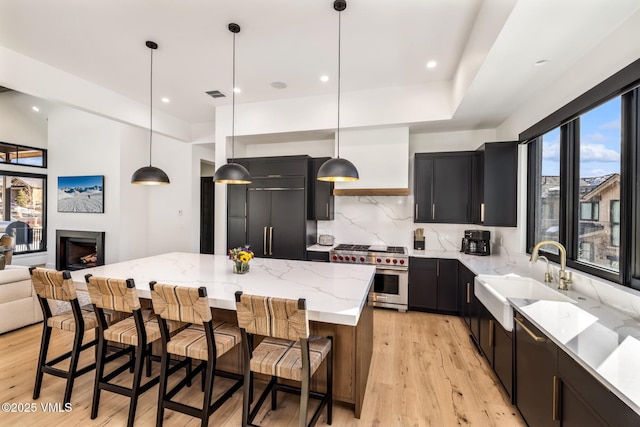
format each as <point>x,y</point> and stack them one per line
<point>380,255</point>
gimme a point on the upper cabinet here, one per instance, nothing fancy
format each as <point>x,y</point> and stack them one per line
<point>497,177</point>
<point>443,187</point>
<point>320,193</point>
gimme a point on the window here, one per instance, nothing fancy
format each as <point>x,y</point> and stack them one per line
<point>599,172</point>
<point>598,159</point>
<point>23,208</point>
<point>21,155</point>
<point>589,211</point>
<point>547,189</point>
<point>615,222</point>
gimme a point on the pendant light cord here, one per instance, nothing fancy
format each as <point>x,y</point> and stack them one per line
<point>338,128</point>
<point>151,108</point>
<point>233,103</point>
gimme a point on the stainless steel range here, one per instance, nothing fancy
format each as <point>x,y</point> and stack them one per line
<point>391,284</point>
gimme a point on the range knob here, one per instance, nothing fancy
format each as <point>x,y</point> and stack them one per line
<point>388,260</point>
<point>361,259</point>
<point>335,257</point>
<point>401,261</point>
<point>395,261</point>
<point>340,257</point>
<point>378,260</point>
<point>353,258</point>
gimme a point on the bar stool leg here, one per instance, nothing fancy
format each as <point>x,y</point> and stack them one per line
<point>42,359</point>
<point>164,378</point>
<point>304,401</point>
<point>330,383</point>
<point>73,364</point>
<point>102,354</point>
<point>137,377</point>
<point>274,395</point>
<point>208,389</point>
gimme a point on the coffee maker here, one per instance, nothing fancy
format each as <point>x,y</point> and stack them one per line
<point>476,242</point>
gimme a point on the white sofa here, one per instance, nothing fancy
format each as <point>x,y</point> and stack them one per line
<point>19,304</point>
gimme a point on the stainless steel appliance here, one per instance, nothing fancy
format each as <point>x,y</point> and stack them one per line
<point>476,242</point>
<point>391,281</point>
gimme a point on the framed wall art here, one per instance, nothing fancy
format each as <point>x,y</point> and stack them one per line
<point>81,194</point>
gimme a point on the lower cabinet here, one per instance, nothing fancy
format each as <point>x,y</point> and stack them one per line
<point>552,389</point>
<point>318,256</point>
<point>536,382</point>
<point>496,344</point>
<point>467,302</point>
<point>433,284</point>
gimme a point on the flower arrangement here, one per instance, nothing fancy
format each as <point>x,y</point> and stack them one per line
<point>240,257</point>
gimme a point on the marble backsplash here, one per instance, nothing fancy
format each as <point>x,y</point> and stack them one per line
<point>388,220</point>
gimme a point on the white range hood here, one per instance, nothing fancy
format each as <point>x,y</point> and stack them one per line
<point>382,159</point>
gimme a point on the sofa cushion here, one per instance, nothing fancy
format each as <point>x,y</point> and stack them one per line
<point>15,284</point>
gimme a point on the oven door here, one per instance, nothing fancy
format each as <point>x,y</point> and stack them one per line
<point>390,289</point>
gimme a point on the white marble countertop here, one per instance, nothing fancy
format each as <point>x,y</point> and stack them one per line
<point>335,293</point>
<point>320,248</point>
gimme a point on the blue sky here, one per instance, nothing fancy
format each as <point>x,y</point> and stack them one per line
<point>599,143</point>
<point>79,181</point>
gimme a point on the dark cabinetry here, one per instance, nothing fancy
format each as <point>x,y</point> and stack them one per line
<point>467,303</point>
<point>584,401</point>
<point>552,389</point>
<point>496,344</point>
<point>442,187</point>
<point>433,284</point>
<point>270,214</point>
<point>320,193</point>
<point>496,185</point>
<point>536,384</point>
<point>317,256</point>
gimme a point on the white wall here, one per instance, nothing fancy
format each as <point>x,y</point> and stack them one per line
<point>84,144</point>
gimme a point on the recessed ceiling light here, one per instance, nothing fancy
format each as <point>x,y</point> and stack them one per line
<point>432,64</point>
<point>237,90</point>
<point>540,62</point>
<point>279,85</point>
<point>165,100</point>
<point>35,108</point>
<point>324,78</point>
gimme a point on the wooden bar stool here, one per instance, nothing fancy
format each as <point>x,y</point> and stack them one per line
<point>137,332</point>
<point>287,351</point>
<point>58,285</point>
<point>203,339</point>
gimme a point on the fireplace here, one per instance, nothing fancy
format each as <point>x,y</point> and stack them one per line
<point>79,249</point>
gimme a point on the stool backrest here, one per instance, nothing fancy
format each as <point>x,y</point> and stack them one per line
<point>53,284</point>
<point>273,317</point>
<point>180,303</point>
<point>113,294</point>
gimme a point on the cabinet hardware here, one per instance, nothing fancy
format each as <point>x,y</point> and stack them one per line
<point>245,209</point>
<point>492,327</point>
<point>327,210</point>
<point>245,225</point>
<point>536,338</point>
<point>481,212</point>
<point>381,298</point>
<point>556,396</point>
<point>264,241</point>
<point>438,268</point>
<point>270,240</point>
<point>468,293</point>
<point>416,211</point>
<point>433,211</point>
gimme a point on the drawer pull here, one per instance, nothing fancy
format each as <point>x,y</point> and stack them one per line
<point>556,396</point>
<point>529,331</point>
<point>468,293</point>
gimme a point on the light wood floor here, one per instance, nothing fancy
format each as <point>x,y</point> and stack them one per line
<point>424,372</point>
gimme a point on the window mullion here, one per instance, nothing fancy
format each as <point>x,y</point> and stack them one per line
<point>569,180</point>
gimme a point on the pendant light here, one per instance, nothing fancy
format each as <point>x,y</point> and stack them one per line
<point>233,173</point>
<point>338,169</point>
<point>150,175</point>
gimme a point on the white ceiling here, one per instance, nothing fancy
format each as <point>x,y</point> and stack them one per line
<point>485,49</point>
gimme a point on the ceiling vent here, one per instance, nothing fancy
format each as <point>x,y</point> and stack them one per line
<point>216,94</point>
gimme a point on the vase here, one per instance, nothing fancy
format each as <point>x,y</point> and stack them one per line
<point>240,267</point>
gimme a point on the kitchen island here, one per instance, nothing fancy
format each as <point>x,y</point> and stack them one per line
<point>336,297</point>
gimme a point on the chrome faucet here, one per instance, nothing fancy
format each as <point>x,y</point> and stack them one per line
<point>565,276</point>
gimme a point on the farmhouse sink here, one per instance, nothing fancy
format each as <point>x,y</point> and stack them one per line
<point>493,292</point>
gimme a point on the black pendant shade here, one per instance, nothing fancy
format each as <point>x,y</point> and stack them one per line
<point>338,169</point>
<point>233,173</point>
<point>150,175</point>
